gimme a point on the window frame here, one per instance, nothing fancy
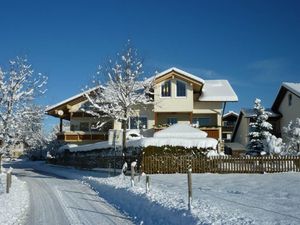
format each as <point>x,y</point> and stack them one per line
<point>138,125</point>
<point>185,88</point>
<point>171,118</point>
<point>290,99</point>
<point>201,118</point>
<point>170,89</point>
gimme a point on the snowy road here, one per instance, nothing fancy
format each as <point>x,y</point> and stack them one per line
<point>59,201</point>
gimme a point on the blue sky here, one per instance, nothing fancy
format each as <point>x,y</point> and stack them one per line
<point>253,44</point>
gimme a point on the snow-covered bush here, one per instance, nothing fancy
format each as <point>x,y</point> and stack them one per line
<point>274,145</point>
<point>259,128</point>
<point>291,135</point>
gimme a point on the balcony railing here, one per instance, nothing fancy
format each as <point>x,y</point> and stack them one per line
<point>80,136</point>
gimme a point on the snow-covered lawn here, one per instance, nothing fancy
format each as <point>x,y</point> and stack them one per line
<point>217,198</point>
<point>13,206</point>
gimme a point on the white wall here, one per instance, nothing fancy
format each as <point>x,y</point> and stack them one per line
<point>289,112</point>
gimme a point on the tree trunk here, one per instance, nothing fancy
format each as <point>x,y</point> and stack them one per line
<point>124,127</point>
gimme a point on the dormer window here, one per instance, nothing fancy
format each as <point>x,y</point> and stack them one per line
<point>166,89</point>
<point>180,89</point>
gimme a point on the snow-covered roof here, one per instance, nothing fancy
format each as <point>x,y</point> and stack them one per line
<point>71,98</point>
<point>293,87</point>
<point>251,112</point>
<point>218,90</point>
<point>180,131</point>
<point>200,143</point>
<point>180,72</point>
<point>230,113</point>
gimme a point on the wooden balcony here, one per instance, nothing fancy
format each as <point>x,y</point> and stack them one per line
<point>81,136</point>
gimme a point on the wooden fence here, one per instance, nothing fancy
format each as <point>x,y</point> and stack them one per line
<point>223,164</point>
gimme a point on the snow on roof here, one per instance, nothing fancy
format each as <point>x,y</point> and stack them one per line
<point>178,71</point>
<point>251,112</point>
<point>180,131</point>
<point>230,113</point>
<point>293,87</point>
<point>200,143</point>
<point>71,98</point>
<point>218,90</point>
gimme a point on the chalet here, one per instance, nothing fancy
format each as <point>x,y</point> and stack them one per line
<point>287,103</point>
<point>179,97</point>
<point>228,122</point>
<point>242,128</point>
<point>286,108</point>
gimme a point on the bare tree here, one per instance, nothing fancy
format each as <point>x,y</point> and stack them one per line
<point>19,86</point>
<point>121,89</point>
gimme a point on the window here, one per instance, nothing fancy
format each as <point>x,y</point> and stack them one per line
<point>290,99</point>
<point>171,120</point>
<point>201,122</point>
<point>138,122</point>
<point>166,89</point>
<point>84,126</point>
<point>180,89</point>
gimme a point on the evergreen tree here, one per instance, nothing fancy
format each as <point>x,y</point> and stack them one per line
<point>259,128</point>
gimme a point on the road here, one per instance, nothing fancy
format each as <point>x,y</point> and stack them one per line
<point>59,201</point>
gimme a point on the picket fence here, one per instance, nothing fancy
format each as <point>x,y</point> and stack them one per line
<point>220,164</point>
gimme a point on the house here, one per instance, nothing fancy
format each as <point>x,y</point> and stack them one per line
<point>179,97</point>
<point>286,108</point>
<point>228,122</point>
<point>287,103</point>
<point>242,128</point>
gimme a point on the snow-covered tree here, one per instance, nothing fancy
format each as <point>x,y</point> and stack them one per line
<point>292,137</point>
<point>259,128</point>
<point>19,87</point>
<point>274,145</point>
<point>121,89</point>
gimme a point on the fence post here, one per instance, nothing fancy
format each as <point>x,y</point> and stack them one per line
<point>189,188</point>
<point>109,169</point>
<point>147,183</point>
<point>0,162</point>
<point>133,164</point>
<point>8,181</point>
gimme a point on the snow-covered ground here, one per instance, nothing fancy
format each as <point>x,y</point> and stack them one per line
<point>217,198</point>
<point>13,206</point>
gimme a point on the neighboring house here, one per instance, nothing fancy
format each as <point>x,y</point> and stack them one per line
<point>81,125</point>
<point>287,103</point>
<point>242,128</point>
<point>286,108</point>
<point>228,123</point>
<point>179,97</point>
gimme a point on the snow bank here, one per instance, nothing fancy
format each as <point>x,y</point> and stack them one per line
<point>217,198</point>
<point>14,205</point>
<point>180,131</point>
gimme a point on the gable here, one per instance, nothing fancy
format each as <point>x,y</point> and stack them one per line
<point>174,73</point>
<point>284,89</point>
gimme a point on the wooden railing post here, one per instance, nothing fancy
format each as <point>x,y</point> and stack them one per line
<point>189,176</point>
<point>147,183</point>
<point>0,162</point>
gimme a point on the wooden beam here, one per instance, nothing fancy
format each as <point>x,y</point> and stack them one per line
<point>155,119</point>
<point>191,117</point>
<point>60,125</point>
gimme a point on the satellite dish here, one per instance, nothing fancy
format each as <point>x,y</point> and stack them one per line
<point>60,112</point>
